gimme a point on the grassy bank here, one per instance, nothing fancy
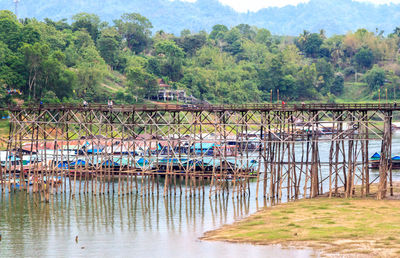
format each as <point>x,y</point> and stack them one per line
<point>346,226</point>
<point>4,129</point>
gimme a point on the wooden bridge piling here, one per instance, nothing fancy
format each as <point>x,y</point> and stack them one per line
<point>127,149</point>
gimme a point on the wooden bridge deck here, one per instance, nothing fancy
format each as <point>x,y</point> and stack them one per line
<point>246,107</point>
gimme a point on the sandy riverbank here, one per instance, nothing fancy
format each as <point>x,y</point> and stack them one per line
<point>337,226</point>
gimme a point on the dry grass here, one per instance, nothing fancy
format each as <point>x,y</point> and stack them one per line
<point>4,128</point>
<point>366,227</point>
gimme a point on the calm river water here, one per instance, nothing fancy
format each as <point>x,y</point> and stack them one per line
<point>131,226</point>
<point>108,226</point>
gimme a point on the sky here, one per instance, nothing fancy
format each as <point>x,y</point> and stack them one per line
<point>255,5</point>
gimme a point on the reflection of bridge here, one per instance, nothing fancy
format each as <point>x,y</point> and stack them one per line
<point>227,145</point>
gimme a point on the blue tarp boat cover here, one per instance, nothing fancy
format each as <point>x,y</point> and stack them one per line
<point>94,151</point>
<point>142,161</point>
<point>396,158</point>
<point>63,164</point>
<point>376,156</point>
<point>78,163</point>
<point>111,164</point>
<point>204,145</point>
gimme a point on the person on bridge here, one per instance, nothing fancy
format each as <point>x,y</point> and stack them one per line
<point>85,104</point>
<point>110,103</point>
<point>283,103</point>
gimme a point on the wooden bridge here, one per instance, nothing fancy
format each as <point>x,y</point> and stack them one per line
<point>190,107</point>
<point>290,150</point>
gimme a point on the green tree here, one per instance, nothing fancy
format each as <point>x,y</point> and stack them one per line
<point>58,25</point>
<point>246,31</point>
<point>271,74</point>
<point>307,79</point>
<point>364,57</point>
<point>56,77</point>
<point>82,40</point>
<point>171,59</point>
<point>135,30</point>
<point>254,52</point>
<point>141,83</point>
<point>12,68</point>
<point>50,97</point>
<point>35,55</point>
<point>233,40</point>
<point>109,44</point>
<point>10,30</point>
<point>30,34</point>
<point>55,39</point>
<point>337,85</point>
<point>89,22</point>
<point>310,43</point>
<point>325,76</point>
<point>218,31</point>
<point>375,78</point>
<point>264,37</point>
<point>5,98</point>
<point>191,43</point>
<point>90,71</point>
<point>334,45</point>
<point>79,41</point>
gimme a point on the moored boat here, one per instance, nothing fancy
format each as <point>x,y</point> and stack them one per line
<point>375,161</point>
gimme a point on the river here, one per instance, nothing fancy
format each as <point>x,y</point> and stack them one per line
<point>133,225</point>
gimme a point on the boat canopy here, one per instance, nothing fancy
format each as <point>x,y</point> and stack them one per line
<point>203,145</point>
<point>94,150</point>
<point>109,163</point>
<point>376,156</point>
<point>63,164</point>
<point>79,162</point>
<point>170,161</point>
<point>142,162</point>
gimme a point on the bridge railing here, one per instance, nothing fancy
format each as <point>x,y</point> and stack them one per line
<point>177,107</point>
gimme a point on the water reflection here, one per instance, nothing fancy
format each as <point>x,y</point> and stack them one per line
<point>108,225</point>
<point>142,224</point>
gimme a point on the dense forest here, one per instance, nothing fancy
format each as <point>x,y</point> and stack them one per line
<point>57,61</point>
<point>334,16</point>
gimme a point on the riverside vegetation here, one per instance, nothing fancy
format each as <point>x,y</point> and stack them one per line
<point>61,61</point>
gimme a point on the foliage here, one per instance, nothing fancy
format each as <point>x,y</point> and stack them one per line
<point>325,76</point>
<point>135,29</point>
<point>375,78</point>
<point>56,61</point>
<point>88,22</point>
<point>190,43</point>
<point>218,31</point>
<point>310,43</point>
<point>50,97</point>
<point>337,85</point>
<point>109,45</point>
<point>141,82</point>
<point>90,71</point>
<point>335,16</point>
<point>4,96</point>
<point>364,57</point>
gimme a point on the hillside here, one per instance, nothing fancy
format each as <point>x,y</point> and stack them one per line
<point>86,59</point>
<point>334,16</point>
